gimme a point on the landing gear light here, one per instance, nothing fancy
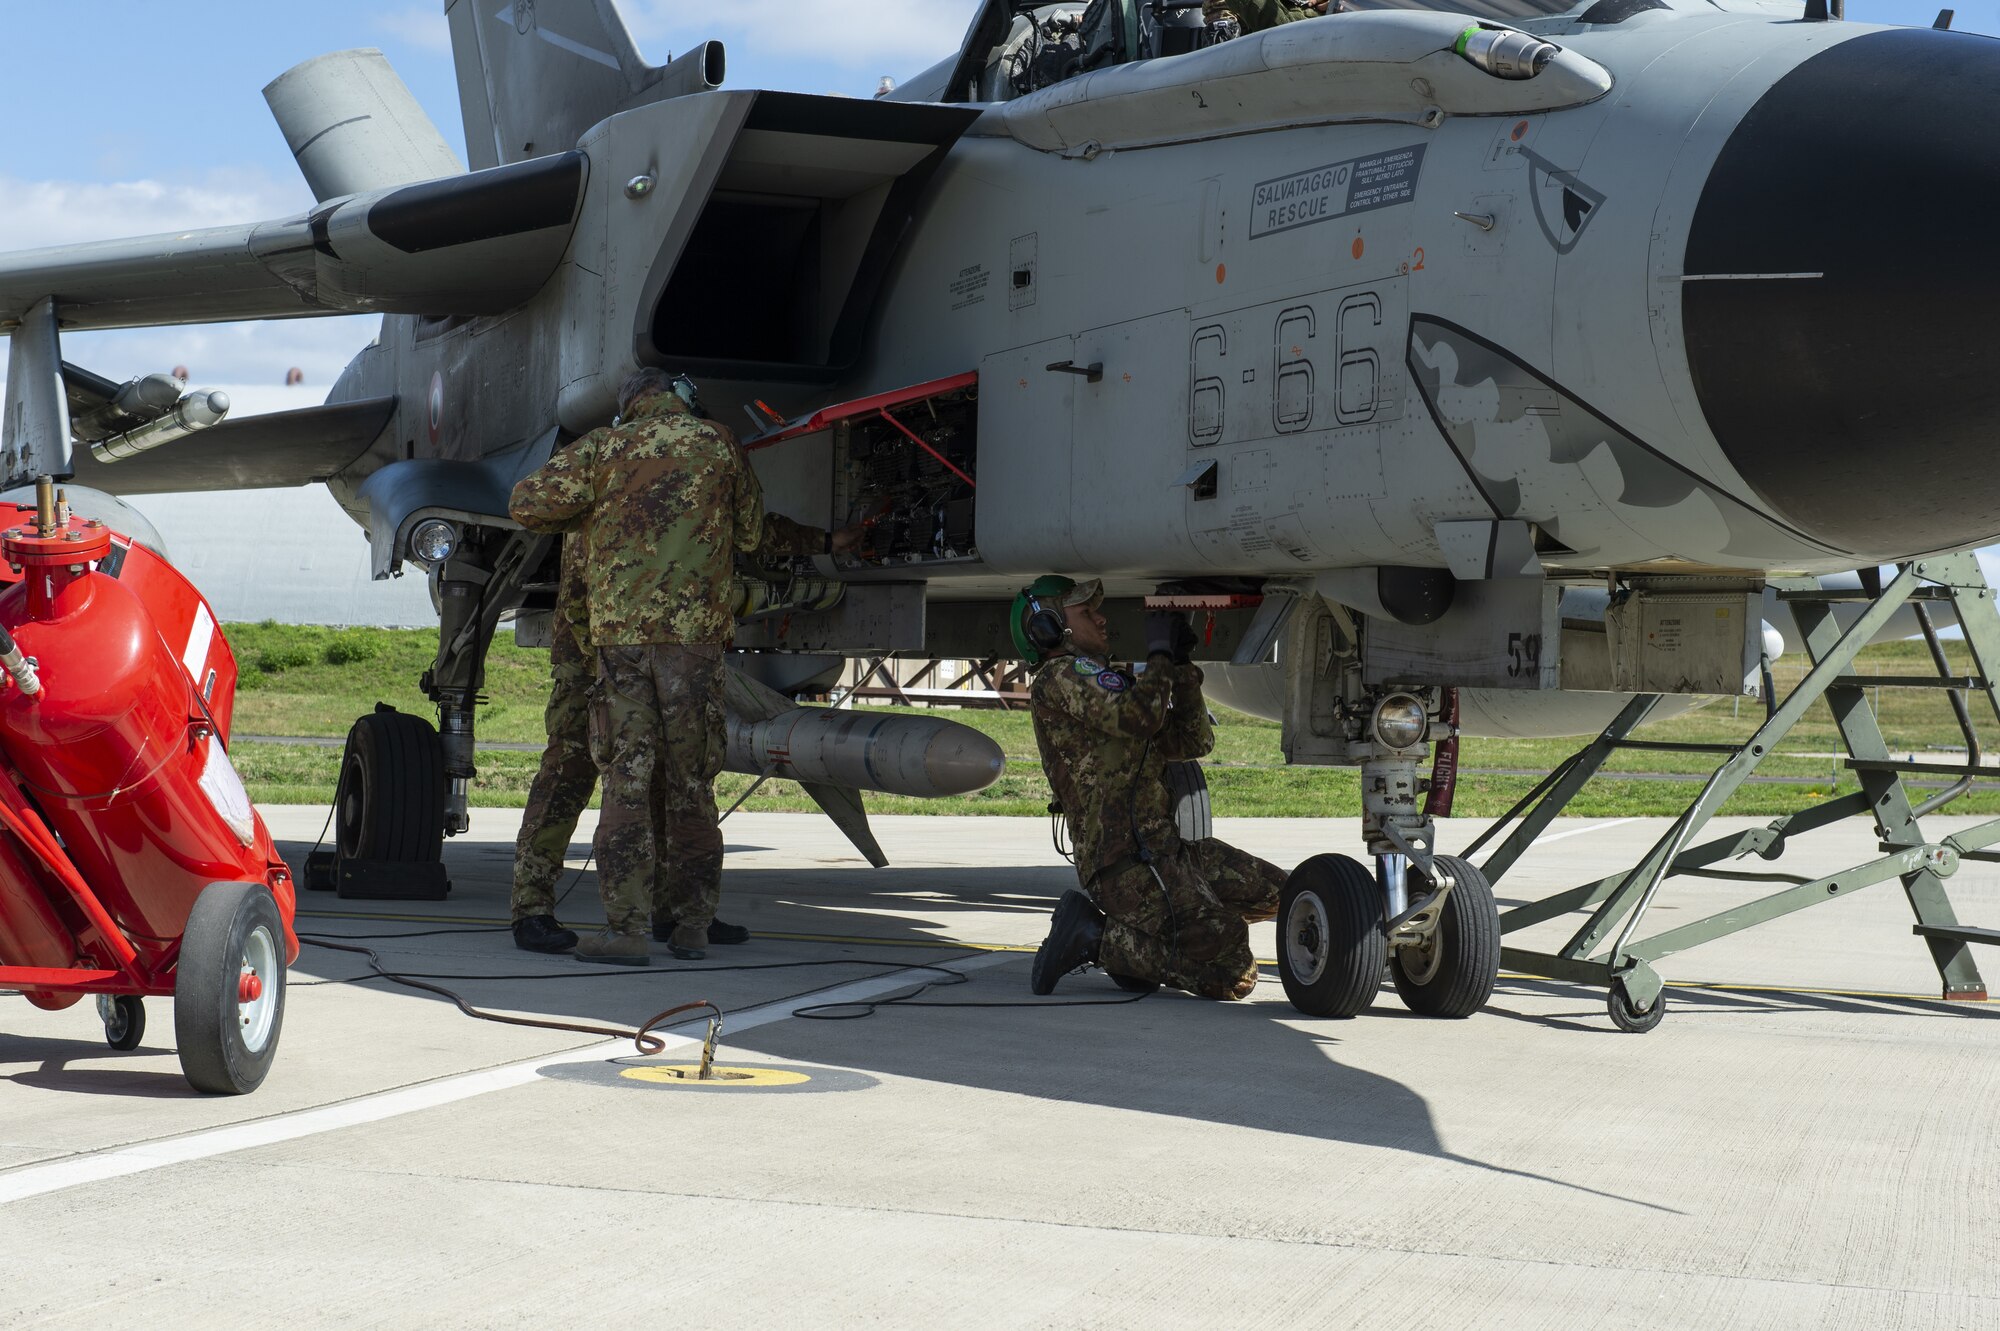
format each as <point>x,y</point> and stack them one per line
<point>1400,721</point>
<point>433,541</point>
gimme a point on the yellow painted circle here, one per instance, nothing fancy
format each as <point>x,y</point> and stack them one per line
<point>687,1074</point>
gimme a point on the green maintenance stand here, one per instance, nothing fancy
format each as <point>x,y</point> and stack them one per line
<point>1620,902</point>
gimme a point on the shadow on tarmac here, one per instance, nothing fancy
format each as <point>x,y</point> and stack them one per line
<point>1161,1055</point>
<point>78,1068</point>
<point>1257,1065</point>
<point>1694,1001</point>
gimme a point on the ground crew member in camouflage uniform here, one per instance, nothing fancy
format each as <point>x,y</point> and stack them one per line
<point>1259,15</point>
<point>663,501</point>
<point>1154,908</point>
<point>567,776</point>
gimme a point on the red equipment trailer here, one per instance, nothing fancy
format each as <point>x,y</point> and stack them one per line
<point>131,860</point>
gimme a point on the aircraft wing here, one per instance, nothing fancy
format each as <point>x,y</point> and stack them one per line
<point>186,277</point>
<point>274,450</point>
<point>473,244</point>
<point>282,448</point>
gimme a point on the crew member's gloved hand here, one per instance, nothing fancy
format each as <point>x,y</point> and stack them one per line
<point>844,540</point>
<point>1185,638</point>
<point>1160,633</point>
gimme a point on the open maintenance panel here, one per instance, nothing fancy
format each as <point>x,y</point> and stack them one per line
<point>905,469</point>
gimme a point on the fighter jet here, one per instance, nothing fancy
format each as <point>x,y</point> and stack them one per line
<point>1371,337</point>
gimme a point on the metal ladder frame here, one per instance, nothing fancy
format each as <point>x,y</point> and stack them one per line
<point>1622,900</point>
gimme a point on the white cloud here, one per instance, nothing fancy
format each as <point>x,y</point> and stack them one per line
<point>221,355</point>
<point>57,212</point>
<point>421,26</point>
<point>884,34</point>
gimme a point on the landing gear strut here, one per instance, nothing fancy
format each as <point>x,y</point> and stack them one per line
<point>482,579</point>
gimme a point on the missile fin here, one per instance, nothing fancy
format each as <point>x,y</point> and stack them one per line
<point>843,805</point>
<point>751,699</point>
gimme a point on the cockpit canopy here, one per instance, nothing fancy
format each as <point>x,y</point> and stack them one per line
<point>1016,47</point>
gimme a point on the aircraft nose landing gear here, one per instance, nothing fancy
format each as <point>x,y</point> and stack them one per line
<point>1431,919</point>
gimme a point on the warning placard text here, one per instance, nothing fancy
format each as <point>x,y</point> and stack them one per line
<point>1339,189</point>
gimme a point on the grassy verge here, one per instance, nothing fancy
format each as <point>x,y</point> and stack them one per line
<point>314,682</point>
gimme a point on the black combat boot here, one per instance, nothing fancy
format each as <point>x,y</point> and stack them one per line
<point>719,933</point>
<point>541,933</point>
<point>1075,930</point>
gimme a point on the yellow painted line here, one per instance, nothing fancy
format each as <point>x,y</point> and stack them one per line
<point>400,919</point>
<point>1266,963</point>
<point>1829,993</point>
<point>1774,989</point>
<point>860,939</point>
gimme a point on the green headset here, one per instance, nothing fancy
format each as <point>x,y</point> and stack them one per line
<point>1040,626</point>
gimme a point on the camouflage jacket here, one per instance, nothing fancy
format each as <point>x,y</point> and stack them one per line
<point>1106,739</point>
<point>783,538</point>
<point>662,503</point>
<point>1258,15</point>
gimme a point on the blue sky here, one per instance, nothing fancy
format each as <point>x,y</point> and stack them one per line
<point>130,119</point>
<point>140,96</point>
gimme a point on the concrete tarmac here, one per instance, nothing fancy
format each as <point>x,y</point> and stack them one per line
<point>1806,1141</point>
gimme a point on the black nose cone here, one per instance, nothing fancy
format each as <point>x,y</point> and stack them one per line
<point>1842,301</point>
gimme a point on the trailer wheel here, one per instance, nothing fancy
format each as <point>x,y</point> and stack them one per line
<point>1331,947</point>
<point>1187,793</point>
<point>390,802</point>
<point>1454,976</point>
<point>229,988</point>
<point>124,1017</point>
<point>1628,1017</point>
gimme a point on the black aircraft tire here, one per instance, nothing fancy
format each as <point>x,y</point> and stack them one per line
<point>1460,979</point>
<point>1187,793</point>
<point>1331,947</point>
<point>390,802</point>
<point>227,1029</point>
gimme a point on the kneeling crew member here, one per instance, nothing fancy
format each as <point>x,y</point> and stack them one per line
<point>1153,907</point>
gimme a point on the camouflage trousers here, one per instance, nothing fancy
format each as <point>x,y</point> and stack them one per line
<point>562,784</point>
<point>1188,928</point>
<point>657,733</point>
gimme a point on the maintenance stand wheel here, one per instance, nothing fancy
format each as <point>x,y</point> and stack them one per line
<point>1132,984</point>
<point>1331,947</point>
<point>1626,1017</point>
<point>1454,976</point>
<point>390,803</point>
<point>1187,793</point>
<point>229,988</point>
<point>124,1017</point>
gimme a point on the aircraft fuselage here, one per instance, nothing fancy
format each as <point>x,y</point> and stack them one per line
<point>1588,319</point>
